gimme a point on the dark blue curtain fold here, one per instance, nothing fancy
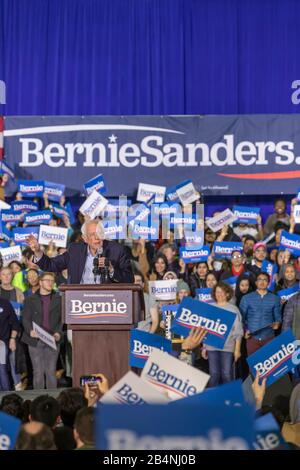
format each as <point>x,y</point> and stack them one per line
<point>149,56</point>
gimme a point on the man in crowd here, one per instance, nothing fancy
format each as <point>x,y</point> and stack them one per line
<point>259,255</point>
<point>280,215</point>
<point>113,261</point>
<point>9,329</point>
<point>237,265</point>
<point>261,313</point>
<point>44,309</point>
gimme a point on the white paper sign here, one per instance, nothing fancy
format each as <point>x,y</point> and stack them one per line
<point>163,290</point>
<point>57,235</point>
<point>12,253</point>
<point>132,390</point>
<point>168,374</point>
<point>297,213</point>
<point>44,336</point>
<point>187,194</point>
<point>145,192</point>
<point>224,218</point>
<point>93,205</point>
<point>4,205</point>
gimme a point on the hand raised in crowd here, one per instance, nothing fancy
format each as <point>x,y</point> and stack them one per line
<point>259,390</point>
<point>57,337</point>
<point>33,334</point>
<point>34,244</point>
<point>93,394</point>
<point>194,339</point>
<point>294,202</point>
<point>62,201</point>
<point>182,265</point>
<point>223,233</point>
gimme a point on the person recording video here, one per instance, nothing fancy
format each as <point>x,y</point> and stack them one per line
<point>93,261</point>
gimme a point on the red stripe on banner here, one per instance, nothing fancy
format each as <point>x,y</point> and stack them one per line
<point>264,176</point>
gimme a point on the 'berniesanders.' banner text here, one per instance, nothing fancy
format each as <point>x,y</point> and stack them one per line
<point>189,428</point>
<point>216,321</point>
<point>141,345</point>
<point>228,155</point>
<point>276,358</point>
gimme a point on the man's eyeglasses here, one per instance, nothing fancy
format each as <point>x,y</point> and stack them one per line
<point>236,257</point>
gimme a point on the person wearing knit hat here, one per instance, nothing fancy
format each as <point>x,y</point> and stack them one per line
<point>259,255</point>
<point>183,290</point>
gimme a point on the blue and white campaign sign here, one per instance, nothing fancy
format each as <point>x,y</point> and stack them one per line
<point>194,240</point>
<point>57,235</point>
<point>204,295</point>
<point>6,169</point>
<point>171,376</point>
<point>217,222</point>
<point>166,209</point>
<point>225,249</point>
<point>54,190</point>
<point>70,212</point>
<point>169,308</point>
<point>24,206</point>
<point>12,253</point>
<point>93,205</point>
<point>271,269</point>
<point>286,294</point>
<point>9,430</point>
<point>267,434</point>
<point>115,206</point>
<point>275,359</point>
<point>163,290</point>
<point>194,256</point>
<point>245,214</point>
<point>142,344</point>
<point>227,155</point>
<point>291,242</point>
<point>192,313</point>
<point>21,234</point>
<point>230,394</point>
<point>132,390</point>
<point>231,281</point>
<point>4,244</point>
<point>97,183</point>
<point>187,194</point>
<point>38,217</point>
<point>11,217</point>
<point>189,428</point>
<point>138,212</point>
<point>186,221</point>
<point>146,191</point>
<point>31,188</point>
<point>171,192</point>
<point>143,229</point>
<point>114,230</point>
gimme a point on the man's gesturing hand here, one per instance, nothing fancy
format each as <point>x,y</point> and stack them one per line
<point>34,245</point>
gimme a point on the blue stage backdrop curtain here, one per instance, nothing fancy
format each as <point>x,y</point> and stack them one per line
<point>149,56</point>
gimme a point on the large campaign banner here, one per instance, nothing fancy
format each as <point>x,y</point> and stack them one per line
<point>226,155</point>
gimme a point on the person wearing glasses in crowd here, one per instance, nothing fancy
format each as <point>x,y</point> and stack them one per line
<point>44,309</point>
<point>237,265</point>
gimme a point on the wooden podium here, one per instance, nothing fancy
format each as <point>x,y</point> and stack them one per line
<point>101,317</point>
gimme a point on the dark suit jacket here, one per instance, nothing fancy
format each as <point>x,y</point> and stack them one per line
<point>32,311</point>
<point>74,260</point>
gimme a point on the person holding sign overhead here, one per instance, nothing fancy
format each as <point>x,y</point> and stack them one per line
<point>93,261</point>
<point>44,310</point>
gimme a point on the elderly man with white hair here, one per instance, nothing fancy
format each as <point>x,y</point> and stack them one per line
<point>80,258</point>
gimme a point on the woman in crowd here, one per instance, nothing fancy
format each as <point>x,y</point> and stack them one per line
<point>160,265</point>
<point>211,280</point>
<point>197,279</point>
<point>287,277</point>
<point>32,281</point>
<point>221,360</point>
<point>244,285</point>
